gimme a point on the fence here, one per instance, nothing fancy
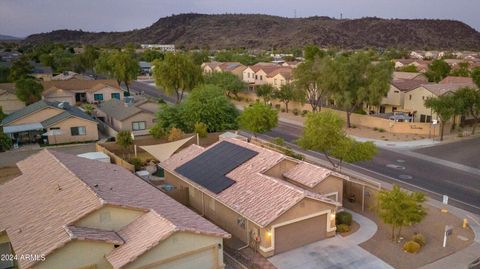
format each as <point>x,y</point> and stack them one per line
<point>367,120</point>
<point>116,160</point>
<point>105,129</point>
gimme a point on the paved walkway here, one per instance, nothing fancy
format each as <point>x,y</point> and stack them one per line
<point>398,144</point>
<point>334,253</point>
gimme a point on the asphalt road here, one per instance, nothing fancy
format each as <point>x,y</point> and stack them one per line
<point>466,152</point>
<point>149,90</point>
<point>413,173</point>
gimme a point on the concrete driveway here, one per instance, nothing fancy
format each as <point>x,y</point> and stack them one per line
<point>334,253</point>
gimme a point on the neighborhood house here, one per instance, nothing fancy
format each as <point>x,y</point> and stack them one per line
<point>260,196</point>
<point>73,212</point>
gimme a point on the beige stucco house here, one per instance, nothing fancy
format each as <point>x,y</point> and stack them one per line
<point>8,100</point>
<point>395,98</point>
<point>415,99</point>
<point>72,212</point>
<point>263,198</point>
<point>280,76</point>
<point>75,91</point>
<point>136,115</point>
<point>50,122</point>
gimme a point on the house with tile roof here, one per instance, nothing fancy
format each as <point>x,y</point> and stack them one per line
<point>457,80</point>
<point>415,99</point>
<point>262,197</point>
<point>71,212</point>
<point>134,114</point>
<point>50,123</point>
<point>397,75</point>
<point>76,90</point>
<point>9,101</point>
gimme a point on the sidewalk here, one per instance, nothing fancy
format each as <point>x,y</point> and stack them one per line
<point>398,144</point>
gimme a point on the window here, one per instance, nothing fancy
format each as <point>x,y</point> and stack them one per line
<point>116,95</point>
<point>55,128</point>
<point>138,125</point>
<point>261,77</point>
<point>425,118</point>
<point>396,91</point>
<point>98,97</point>
<point>394,109</point>
<point>382,109</point>
<point>248,75</point>
<point>80,130</point>
<point>410,97</point>
<point>429,118</point>
<point>256,77</point>
<point>126,94</point>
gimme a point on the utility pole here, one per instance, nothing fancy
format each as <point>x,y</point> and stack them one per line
<point>341,15</point>
<point>295,13</point>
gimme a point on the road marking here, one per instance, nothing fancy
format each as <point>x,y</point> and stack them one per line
<point>405,176</point>
<point>386,176</point>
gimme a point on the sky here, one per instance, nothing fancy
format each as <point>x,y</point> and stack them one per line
<point>24,17</point>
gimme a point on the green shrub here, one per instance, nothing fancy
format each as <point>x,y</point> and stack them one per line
<point>292,154</point>
<point>201,129</point>
<point>381,130</point>
<point>343,228</point>
<point>279,141</point>
<point>344,218</point>
<point>136,162</point>
<point>157,131</point>
<point>411,247</point>
<point>419,238</point>
<point>277,106</point>
<point>304,112</point>
<point>375,128</point>
<point>360,111</point>
<point>295,112</point>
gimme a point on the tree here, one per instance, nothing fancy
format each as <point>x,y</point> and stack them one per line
<point>5,142</point>
<point>2,114</point>
<point>461,71</point>
<point>437,70</point>
<point>309,78</point>
<point>177,74</point>
<point>201,129</point>
<point>476,76</point>
<point>20,68</point>
<point>228,82</point>
<point>208,104</point>
<point>258,118</point>
<point>323,132</point>
<point>28,90</point>
<point>150,55</point>
<point>124,139</point>
<point>444,106</point>
<point>265,91</point>
<point>120,65</point>
<point>355,81</point>
<point>469,102</point>
<point>287,93</point>
<point>89,108</point>
<point>4,74</point>
<point>399,208</point>
<point>310,52</point>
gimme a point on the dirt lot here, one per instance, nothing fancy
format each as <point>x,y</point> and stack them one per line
<point>8,172</point>
<point>432,228</point>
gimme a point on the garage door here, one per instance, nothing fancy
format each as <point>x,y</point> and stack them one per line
<point>300,233</point>
<point>201,260</point>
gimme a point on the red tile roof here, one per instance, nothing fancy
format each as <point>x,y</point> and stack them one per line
<point>256,196</point>
<point>57,189</point>
<point>455,80</point>
<point>84,233</point>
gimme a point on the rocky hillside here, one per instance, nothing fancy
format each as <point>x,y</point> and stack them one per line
<point>265,32</point>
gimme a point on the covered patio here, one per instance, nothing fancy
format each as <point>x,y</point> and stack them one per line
<point>22,134</point>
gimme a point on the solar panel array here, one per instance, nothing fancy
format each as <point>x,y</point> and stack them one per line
<point>209,169</point>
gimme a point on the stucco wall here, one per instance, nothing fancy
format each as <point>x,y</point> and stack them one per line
<point>142,116</point>
<point>417,102</point>
<point>109,218</point>
<point>91,133</point>
<point>183,250</point>
<point>76,254</point>
<point>38,116</point>
<point>246,77</point>
<point>107,94</point>
<point>331,184</point>
<point>10,103</point>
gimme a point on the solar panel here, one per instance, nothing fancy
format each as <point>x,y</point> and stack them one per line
<point>209,168</point>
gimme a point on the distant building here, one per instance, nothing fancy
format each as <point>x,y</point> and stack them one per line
<point>9,101</point>
<point>161,47</point>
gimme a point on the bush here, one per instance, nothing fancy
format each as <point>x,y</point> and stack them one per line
<point>343,218</point>
<point>292,154</point>
<point>136,162</point>
<point>157,131</point>
<point>175,134</point>
<point>283,110</point>
<point>304,112</point>
<point>201,129</point>
<point>360,111</point>
<point>279,141</point>
<point>381,130</point>
<point>419,238</point>
<point>375,128</point>
<point>295,112</point>
<point>411,247</point>
<point>343,228</point>
<point>277,106</point>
